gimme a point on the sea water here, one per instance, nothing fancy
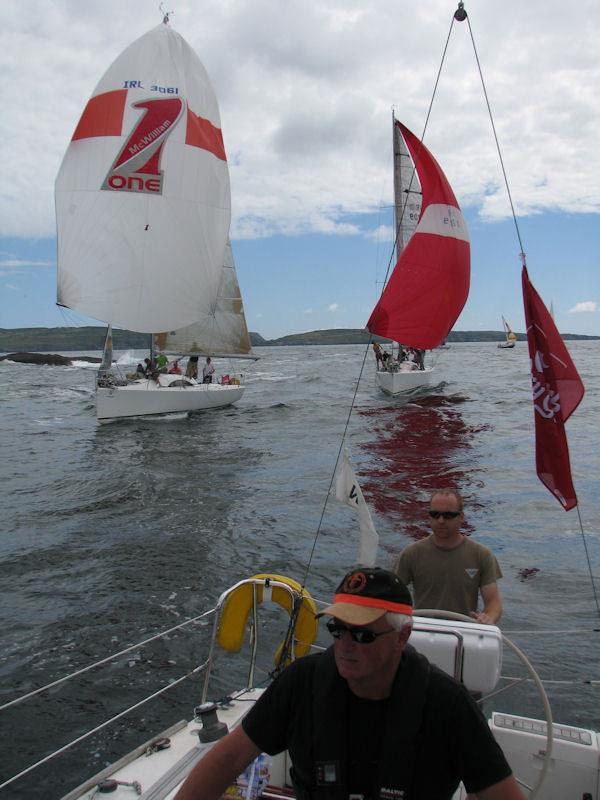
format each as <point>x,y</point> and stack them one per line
<point>111,533</point>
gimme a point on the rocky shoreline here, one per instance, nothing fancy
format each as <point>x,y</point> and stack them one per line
<point>52,359</point>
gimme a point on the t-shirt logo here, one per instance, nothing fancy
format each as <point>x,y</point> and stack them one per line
<point>471,572</point>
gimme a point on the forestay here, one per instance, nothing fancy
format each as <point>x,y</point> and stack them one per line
<point>142,195</point>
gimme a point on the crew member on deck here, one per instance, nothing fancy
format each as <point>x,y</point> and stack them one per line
<point>378,357</point>
<point>448,570</point>
<point>191,371</point>
<point>207,371</point>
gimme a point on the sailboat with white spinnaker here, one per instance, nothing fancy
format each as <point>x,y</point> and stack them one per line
<point>143,213</point>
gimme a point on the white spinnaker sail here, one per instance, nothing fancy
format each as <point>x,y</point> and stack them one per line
<point>220,330</point>
<point>142,195</point>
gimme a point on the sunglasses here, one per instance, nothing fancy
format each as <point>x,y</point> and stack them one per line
<point>444,514</point>
<point>359,635</point>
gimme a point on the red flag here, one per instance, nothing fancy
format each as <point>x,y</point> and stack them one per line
<point>557,391</point>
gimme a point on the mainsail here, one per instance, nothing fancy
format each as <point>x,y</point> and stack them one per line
<point>430,283</point>
<point>510,336</point>
<point>407,191</point>
<point>142,195</point>
<point>220,330</point>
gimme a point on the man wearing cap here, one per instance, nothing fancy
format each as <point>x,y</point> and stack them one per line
<point>369,718</point>
<point>449,570</point>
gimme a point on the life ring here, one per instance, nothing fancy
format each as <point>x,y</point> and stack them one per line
<point>234,615</point>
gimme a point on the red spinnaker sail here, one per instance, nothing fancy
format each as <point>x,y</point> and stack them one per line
<point>557,391</point>
<point>430,283</point>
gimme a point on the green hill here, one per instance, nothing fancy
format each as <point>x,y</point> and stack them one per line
<point>35,340</point>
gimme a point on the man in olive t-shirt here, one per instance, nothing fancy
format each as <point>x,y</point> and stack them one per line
<point>449,571</point>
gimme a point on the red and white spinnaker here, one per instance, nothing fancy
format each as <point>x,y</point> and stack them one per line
<point>430,282</point>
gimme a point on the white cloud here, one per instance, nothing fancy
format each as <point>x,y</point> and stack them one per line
<point>384,234</point>
<point>585,307</point>
<point>13,263</point>
<point>14,288</point>
<point>305,103</point>
<point>333,307</point>
<point>308,311</point>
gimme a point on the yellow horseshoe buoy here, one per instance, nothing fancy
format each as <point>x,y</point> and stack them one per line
<point>236,609</point>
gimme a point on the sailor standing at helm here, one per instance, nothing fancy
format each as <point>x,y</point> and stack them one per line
<point>367,718</point>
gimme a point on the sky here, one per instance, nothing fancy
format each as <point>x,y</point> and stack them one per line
<point>306,91</point>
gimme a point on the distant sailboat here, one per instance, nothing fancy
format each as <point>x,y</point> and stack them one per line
<point>430,282</point>
<point>143,214</point>
<point>511,338</point>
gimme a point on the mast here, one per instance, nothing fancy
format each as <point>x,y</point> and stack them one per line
<point>398,193</point>
<point>407,191</point>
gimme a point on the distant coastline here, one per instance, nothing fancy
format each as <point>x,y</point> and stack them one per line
<point>37,340</point>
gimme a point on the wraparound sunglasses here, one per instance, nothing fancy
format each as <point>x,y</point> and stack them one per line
<point>359,635</point>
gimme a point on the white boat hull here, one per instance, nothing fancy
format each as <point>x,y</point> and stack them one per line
<point>506,345</point>
<point>145,397</point>
<point>400,381</point>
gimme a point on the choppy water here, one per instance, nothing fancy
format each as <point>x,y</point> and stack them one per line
<point>111,533</point>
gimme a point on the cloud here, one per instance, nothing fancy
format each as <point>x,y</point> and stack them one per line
<point>13,263</point>
<point>585,307</point>
<point>308,311</point>
<point>333,307</point>
<point>384,234</point>
<point>306,123</point>
<point>14,288</point>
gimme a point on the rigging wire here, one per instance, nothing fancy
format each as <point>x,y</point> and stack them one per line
<point>460,15</point>
<point>103,725</point>
<point>522,254</point>
<point>589,563</point>
<point>111,657</point>
<point>370,340</point>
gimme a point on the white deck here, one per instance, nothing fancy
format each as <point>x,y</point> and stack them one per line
<point>161,773</point>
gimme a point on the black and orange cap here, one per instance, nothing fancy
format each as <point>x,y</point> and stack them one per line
<point>366,593</point>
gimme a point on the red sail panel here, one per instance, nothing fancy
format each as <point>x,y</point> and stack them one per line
<point>430,283</point>
<point>557,391</point>
<point>102,116</point>
<point>203,134</point>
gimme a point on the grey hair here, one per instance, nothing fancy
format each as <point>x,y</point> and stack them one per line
<point>398,621</point>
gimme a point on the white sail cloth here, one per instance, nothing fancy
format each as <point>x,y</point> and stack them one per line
<point>220,330</point>
<point>142,195</point>
<point>348,491</point>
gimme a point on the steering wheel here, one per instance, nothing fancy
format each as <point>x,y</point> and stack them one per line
<point>452,615</point>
